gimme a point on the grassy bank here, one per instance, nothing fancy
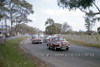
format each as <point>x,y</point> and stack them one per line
<point>11,56</point>
<point>84,40</point>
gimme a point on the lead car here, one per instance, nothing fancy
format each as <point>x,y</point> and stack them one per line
<point>58,43</point>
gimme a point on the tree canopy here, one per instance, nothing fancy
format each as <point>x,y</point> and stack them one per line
<point>56,28</point>
<point>16,10</point>
<point>91,15</point>
<point>50,27</point>
<point>73,4</point>
<point>98,29</point>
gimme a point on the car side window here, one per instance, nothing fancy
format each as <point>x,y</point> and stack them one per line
<point>53,39</point>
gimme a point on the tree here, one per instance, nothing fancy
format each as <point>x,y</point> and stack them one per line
<point>89,23</point>
<point>18,11</point>
<point>25,29</point>
<point>3,9</point>
<point>98,30</point>
<point>74,4</point>
<point>49,21</point>
<point>65,27</point>
<point>58,27</point>
<point>50,27</point>
<point>83,5</point>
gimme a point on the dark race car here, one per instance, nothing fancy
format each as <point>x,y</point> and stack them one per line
<point>58,43</point>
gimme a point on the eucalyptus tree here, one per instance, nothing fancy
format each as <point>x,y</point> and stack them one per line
<point>65,27</point>
<point>3,13</point>
<point>25,29</point>
<point>18,11</point>
<point>24,9</point>
<point>98,30</point>
<point>58,27</point>
<point>83,5</point>
<point>80,4</point>
<point>50,27</point>
<point>89,23</point>
<point>3,9</point>
<point>49,21</point>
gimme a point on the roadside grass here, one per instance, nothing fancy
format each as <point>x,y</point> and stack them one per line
<point>83,44</point>
<point>11,56</point>
<point>84,40</point>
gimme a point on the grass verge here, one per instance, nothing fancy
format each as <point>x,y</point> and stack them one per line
<point>11,55</point>
<point>83,44</point>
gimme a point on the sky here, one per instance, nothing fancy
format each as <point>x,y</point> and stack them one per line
<point>44,9</point>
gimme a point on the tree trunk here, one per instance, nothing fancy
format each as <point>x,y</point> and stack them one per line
<point>6,23</point>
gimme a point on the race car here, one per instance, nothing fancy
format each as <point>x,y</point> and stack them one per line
<point>36,40</point>
<point>58,43</point>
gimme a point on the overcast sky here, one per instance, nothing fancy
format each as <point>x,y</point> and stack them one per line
<point>44,9</point>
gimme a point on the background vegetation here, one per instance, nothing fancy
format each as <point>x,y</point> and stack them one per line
<point>85,40</point>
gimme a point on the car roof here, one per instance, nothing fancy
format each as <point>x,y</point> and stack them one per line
<point>56,37</point>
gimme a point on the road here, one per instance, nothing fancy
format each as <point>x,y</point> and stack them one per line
<point>77,56</point>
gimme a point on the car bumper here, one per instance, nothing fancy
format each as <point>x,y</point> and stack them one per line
<point>37,42</point>
<point>63,47</point>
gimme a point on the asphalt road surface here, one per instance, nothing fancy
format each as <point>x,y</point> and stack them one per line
<point>77,56</point>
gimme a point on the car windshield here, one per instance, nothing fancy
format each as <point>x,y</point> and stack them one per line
<point>60,38</point>
<point>35,37</point>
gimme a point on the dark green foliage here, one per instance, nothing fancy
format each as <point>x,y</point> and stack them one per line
<point>15,11</point>
<point>55,28</point>
<point>98,29</point>
<point>50,27</point>
<point>73,4</point>
<point>89,23</point>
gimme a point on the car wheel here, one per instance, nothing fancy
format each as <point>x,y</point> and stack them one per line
<point>48,47</point>
<point>55,48</point>
<point>40,43</point>
<point>67,48</point>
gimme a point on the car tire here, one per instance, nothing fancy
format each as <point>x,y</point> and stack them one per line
<point>55,48</point>
<point>67,48</point>
<point>48,47</point>
<point>40,43</point>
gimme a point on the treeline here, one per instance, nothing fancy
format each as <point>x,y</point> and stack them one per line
<point>65,28</point>
<point>56,28</point>
<point>15,12</point>
<point>25,29</point>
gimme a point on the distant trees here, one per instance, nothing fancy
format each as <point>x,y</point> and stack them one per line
<point>25,29</point>
<point>50,27</point>
<point>58,28</point>
<point>55,28</point>
<point>65,27</point>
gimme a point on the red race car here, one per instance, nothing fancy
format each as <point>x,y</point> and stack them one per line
<point>36,40</point>
<point>58,43</point>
